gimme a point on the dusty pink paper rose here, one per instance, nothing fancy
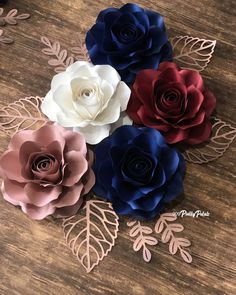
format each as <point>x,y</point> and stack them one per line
<point>47,171</point>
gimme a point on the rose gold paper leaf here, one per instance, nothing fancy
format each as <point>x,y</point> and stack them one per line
<point>223,134</point>
<point>22,114</point>
<point>5,39</point>
<point>168,235</point>
<point>192,53</point>
<point>159,226</point>
<point>146,254</point>
<point>143,238</point>
<point>91,234</point>
<point>173,247</point>
<point>168,216</point>
<point>186,256</point>
<point>61,58</point>
<point>80,51</point>
<point>184,242</point>
<point>176,227</point>
<point>12,17</point>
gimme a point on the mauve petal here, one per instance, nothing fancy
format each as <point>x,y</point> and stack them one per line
<point>7,198</point>
<point>19,138</point>
<point>75,141</point>
<point>88,181</point>
<point>192,77</point>
<point>47,134</point>
<point>69,196</point>
<point>37,213</point>
<point>40,195</point>
<point>11,167</point>
<point>76,166</point>
<point>209,102</point>
<point>26,149</point>
<point>200,133</point>
<point>56,149</point>
<point>68,211</point>
<point>176,135</point>
<point>13,192</point>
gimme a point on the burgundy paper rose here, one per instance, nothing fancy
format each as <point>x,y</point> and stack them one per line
<point>173,101</point>
<point>46,171</point>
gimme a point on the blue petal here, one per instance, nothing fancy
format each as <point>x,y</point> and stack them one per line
<point>169,161</point>
<point>130,7</point>
<point>125,191</point>
<point>142,19</point>
<point>150,141</point>
<point>155,19</point>
<point>124,134</point>
<point>97,57</point>
<point>102,13</point>
<point>147,203</point>
<point>95,35</point>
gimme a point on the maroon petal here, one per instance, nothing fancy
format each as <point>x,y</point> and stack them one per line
<point>169,74</point>
<point>209,102</point>
<point>176,135</point>
<point>197,120</point>
<point>200,133</point>
<point>133,106</point>
<point>195,100</point>
<point>192,78</point>
<point>39,195</point>
<point>76,166</point>
<point>152,121</point>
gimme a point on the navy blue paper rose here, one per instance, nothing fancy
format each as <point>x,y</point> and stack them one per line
<point>129,39</point>
<point>137,171</point>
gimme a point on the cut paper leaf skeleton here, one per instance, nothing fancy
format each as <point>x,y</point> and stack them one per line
<point>91,234</point>
<point>192,53</point>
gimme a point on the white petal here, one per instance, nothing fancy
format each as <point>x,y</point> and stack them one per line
<point>109,74</point>
<point>49,107</point>
<point>123,120</point>
<point>76,65</point>
<point>123,95</point>
<point>85,71</point>
<point>110,115</point>
<point>94,134</point>
<point>60,79</point>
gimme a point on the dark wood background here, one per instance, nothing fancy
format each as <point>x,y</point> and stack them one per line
<point>33,257</point>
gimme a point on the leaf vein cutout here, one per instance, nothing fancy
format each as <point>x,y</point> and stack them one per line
<point>61,59</point>
<point>168,230</point>
<point>91,233</point>
<point>21,115</point>
<point>192,53</point>
<point>80,51</point>
<point>223,134</point>
<point>143,238</point>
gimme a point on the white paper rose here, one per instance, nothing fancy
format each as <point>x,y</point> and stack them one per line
<point>90,99</point>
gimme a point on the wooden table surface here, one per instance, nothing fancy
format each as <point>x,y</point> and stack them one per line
<point>33,257</point>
